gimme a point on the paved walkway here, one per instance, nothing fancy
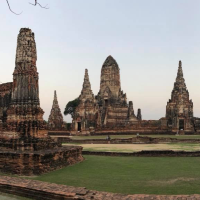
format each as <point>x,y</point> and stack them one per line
<point>43,191</point>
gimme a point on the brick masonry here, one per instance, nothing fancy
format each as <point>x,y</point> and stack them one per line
<point>148,153</point>
<point>38,162</point>
<point>131,140</point>
<point>45,191</point>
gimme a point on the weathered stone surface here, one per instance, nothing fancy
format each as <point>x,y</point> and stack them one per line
<point>24,113</point>
<point>39,161</point>
<point>110,78</point>
<point>5,98</point>
<point>55,120</point>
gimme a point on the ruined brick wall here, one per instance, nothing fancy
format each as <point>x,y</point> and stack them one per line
<point>131,140</point>
<point>147,153</point>
<point>38,162</point>
<point>5,99</point>
<point>46,191</point>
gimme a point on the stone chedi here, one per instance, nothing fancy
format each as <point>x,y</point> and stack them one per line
<point>179,109</point>
<point>84,116</point>
<point>55,120</point>
<point>28,152</point>
<point>109,108</point>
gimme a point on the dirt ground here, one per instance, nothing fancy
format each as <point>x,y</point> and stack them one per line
<point>139,147</point>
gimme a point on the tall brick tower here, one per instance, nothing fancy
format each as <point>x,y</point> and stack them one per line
<point>179,109</point>
<point>24,112</point>
<point>110,78</point>
<point>55,120</point>
<point>112,101</point>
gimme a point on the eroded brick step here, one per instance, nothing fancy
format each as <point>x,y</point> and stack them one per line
<point>47,191</point>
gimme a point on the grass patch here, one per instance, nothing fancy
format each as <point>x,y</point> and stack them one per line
<point>4,196</point>
<point>132,175</point>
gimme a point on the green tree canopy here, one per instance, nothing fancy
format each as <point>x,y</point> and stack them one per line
<point>71,107</point>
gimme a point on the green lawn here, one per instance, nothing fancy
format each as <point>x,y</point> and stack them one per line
<point>132,175</point>
<point>4,196</point>
<point>129,136</point>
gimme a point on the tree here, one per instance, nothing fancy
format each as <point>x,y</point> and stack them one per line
<point>71,107</point>
<point>33,4</point>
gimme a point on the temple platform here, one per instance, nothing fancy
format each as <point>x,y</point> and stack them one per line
<point>34,156</point>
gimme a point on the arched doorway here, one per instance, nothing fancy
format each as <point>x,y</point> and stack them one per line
<point>79,126</point>
<point>181,124</point>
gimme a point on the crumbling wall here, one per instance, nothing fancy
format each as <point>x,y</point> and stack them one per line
<point>38,162</point>
<point>5,98</point>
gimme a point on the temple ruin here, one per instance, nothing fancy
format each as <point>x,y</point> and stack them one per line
<point>20,105</point>
<point>109,111</point>
<point>179,109</point>
<point>109,108</point>
<point>20,110</point>
<point>55,121</point>
<point>24,149</point>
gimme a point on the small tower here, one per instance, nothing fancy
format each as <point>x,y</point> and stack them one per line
<point>86,92</point>
<point>179,109</point>
<point>139,114</point>
<point>84,116</point>
<point>55,120</point>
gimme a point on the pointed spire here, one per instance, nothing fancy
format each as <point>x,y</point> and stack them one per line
<point>55,95</point>
<point>55,100</point>
<point>179,86</point>
<point>180,81</point>
<point>180,71</point>
<point>55,118</point>
<point>86,82</point>
<point>110,61</point>
<point>86,92</point>
<point>139,114</point>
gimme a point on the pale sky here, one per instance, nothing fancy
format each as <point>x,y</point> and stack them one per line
<point>146,37</point>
